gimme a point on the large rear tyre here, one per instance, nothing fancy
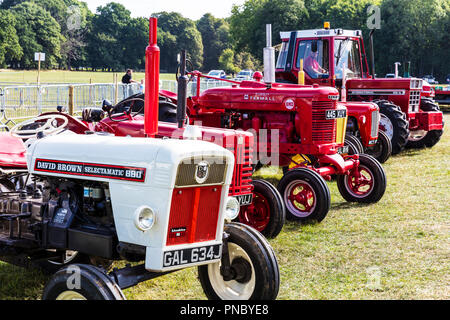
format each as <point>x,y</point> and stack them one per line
<point>367,185</point>
<point>81,282</point>
<point>306,195</point>
<point>267,213</point>
<point>253,261</point>
<point>167,112</point>
<point>382,150</point>
<point>393,122</point>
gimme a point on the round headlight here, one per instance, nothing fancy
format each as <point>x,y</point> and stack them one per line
<point>144,218</point>
<point>232,208</point>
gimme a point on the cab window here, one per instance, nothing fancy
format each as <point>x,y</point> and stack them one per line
<point>281,63</point>
<point>315,57</point>
<point>347,58</point>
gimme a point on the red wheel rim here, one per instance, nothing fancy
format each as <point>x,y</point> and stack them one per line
<point>300,198</point>
<point>256,215</point>
<point>361,184</point>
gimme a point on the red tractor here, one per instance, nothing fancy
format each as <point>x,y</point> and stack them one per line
<point>300,128</point>
<point>330,55</point>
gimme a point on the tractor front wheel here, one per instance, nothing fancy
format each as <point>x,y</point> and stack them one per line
<point>81,282</point>
<point>254,273</point>
<point>306,195</point>
<point>382,150</point>
<point>267,213</point>
<point>366,184</point>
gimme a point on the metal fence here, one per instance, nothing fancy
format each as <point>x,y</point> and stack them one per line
<point>26,101</point>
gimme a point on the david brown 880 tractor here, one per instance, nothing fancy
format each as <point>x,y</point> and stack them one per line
<point>328,54</point>
<point>161,201</point>
<point>307,124</point>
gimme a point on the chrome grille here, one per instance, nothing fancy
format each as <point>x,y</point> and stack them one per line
<point>374,124</point>
<point>414,101</point>
<point>323,131</point>
<point>187,171</point>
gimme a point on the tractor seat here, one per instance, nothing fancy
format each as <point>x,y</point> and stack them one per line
<point>12,152</point>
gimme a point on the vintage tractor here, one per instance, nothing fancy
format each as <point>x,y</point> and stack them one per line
<point>69,201</point>
<point>297,127</point>
<point>331,55</point>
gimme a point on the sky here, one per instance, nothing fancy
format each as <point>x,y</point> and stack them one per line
<point>193,9</point>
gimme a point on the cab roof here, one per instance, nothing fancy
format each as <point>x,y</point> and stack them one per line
<point>317,33</point>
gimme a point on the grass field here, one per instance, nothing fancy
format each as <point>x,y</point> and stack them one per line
<point>398,248</point>
<point>69,76</point>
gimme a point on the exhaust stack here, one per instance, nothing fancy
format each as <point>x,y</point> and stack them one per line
<point>269,58</point>
<point>152,58</point>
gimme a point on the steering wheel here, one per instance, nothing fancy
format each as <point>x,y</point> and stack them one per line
<point>114,116</point>
<point>47,127</point>
<point>189,66</point>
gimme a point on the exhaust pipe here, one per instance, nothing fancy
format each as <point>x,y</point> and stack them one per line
<point>372,55</point>
<point>269,58</point>
<point>152,58</point>
<point>182,91</point>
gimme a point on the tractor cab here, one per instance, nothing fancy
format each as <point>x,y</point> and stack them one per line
<point>324,55</point>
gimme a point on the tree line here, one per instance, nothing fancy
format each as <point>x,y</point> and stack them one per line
<point>73,37</point>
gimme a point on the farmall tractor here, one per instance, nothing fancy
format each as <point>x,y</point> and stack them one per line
<point>70,201</point>
<point>331,55</point>
<point>300,128</point>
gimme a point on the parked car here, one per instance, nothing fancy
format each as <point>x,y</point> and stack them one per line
<point>390,75</point>
<point>430,79</point>
<point>447,79</point>
<point>217,74</point>
<point>246,74</point>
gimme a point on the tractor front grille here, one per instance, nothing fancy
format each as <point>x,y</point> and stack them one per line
<point>323,131</point>
<point>194,214</point>
<point>242,175</point>
<point>414,101</point>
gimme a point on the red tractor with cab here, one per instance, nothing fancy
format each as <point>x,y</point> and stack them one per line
<point>331,55</point>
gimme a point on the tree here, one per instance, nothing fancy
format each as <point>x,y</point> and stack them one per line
<point>226,61</point>
<point>10,48</point>
<point>411,30</point>
<point>248,22</point>
<point>107,37</point>
<point>215,37</point>
<point>37,31</point>
<point>186,36</point>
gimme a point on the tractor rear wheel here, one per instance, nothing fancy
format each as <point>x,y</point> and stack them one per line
<point>306,195</point>
<point>255,270</point>
<point>81,282</point>
<point>393,122</point>
<point>267,213</point>
<point>422,139</point>
<point>367,185</point>
<point>382,150</point>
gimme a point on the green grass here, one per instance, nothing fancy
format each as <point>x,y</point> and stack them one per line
<point>395,249</point>
<point>69,76</point>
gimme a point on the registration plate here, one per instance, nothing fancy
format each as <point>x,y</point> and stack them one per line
<point>192,255</point>
<point>335,114</point>
<point>245,199</point>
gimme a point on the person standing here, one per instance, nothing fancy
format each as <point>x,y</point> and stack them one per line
<point>127,78</point>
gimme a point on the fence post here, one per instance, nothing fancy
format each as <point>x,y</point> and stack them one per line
<point>71,100</point>
<point>116,94</point>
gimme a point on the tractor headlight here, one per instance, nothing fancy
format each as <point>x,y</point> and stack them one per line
<point>144,218</point>
<point>232,208</point>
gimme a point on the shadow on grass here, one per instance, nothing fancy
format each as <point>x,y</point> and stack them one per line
<point>18,283</point>
<point>349,205</point>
